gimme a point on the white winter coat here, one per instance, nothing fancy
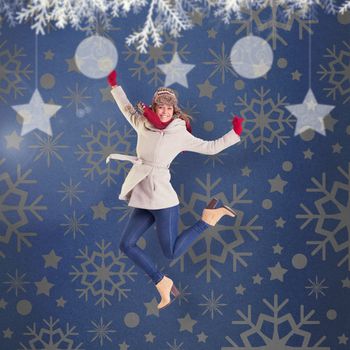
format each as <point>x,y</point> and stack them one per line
<point>147,184</point>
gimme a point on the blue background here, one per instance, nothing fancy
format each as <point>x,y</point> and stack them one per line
<point>196,178</point>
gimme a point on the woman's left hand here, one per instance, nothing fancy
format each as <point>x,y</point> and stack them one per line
<point>237,124</point>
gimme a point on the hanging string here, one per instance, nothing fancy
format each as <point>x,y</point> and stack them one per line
<point>251,18</point>
<point>36,61</point>
<point>310,58</point>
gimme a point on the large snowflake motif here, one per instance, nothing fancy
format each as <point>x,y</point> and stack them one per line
<point>48,146</point>
<point>338,72</point>
<point>8,11</point>
<point>16,209</point>
<point>147,63</point>
<point>265,120</point>
<point>332,216</point>
<point>285,332</point>
<point>104,142</point>
<point>223,239</point>
<point>221,63</point>
<point>100,25</point>
<point>78,99</point>
<point>12,72</point>
<point>102,274</point>
<point>51,336</point>
<point>271,18</point>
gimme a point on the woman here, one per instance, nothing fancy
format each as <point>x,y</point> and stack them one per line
<point>163,132</point>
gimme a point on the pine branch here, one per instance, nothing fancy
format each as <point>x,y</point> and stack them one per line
<point>331,7</point>
<point>345,7</point>
<point>173,18</point>
<point>149,29</point>
<point>163,15</point>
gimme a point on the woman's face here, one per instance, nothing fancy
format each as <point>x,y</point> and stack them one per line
<point>165,112</point>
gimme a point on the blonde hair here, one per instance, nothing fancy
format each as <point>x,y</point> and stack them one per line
<point>165,95</point>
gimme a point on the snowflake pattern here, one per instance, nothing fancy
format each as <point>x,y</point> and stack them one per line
<point>183,293</point>
<point>8,10</point>
<point>175,345</point>
<point>78,99</point>
<point>190,109</point>
<point>332,217</point>
<point>228,243</point>
<point>221,63</point>
<point>12,72</point>
<point>14,215</point>
<point>225,262</point>
<point>125,210</point>
<point>104,142</point>
<point>265,121</point>
<point>316,287</point>
<point>337,72</point>
<point>163,16</point>
<point>48,147</point>
<point>102,274</point>
<point>16,283</point>
<point>51,336</point>
<point>215,158</point>
<point>270,18</point>
<point>212,304</point>
<point>147,64</point>
<point>70,191</point>
<point>74,225</point>
<point>273,339</point>
<point>101,331</point>
<point>101,25</point>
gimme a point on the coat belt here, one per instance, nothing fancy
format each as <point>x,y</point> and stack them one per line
<point>136,160</point>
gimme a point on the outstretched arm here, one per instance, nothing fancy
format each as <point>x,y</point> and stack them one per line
<point>123,102</point>
<point>199,145</point>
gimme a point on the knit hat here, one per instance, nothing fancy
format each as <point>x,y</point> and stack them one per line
<point>165,95</point>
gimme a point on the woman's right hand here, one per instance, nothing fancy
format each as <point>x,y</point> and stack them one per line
<point>112,78</point>
<point>141,106</point>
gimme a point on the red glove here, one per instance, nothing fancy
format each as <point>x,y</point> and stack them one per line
<point>112,78</point>
<point>153,118</point>
<point>237,124</point>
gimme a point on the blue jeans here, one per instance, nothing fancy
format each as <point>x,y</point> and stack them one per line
<point>167,230</point>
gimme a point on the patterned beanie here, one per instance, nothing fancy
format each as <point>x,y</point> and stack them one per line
<point>165,95</point>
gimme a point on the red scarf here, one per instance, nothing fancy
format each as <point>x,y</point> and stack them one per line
<point>153,118</point>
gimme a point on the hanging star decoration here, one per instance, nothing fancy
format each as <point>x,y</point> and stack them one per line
<point>36,114</point>
<point>176,71</point>
<point>309,114</point>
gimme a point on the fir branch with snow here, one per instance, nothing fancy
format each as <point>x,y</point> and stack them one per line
<point>345,7</point>
<point>226,8</point>
<point>8,10</point>
<point>170,16</point>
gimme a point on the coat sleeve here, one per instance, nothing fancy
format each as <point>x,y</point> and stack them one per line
<point>195,144</point>
<point>129,112</point>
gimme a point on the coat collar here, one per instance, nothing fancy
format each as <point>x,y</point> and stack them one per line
<point>176,125</point>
